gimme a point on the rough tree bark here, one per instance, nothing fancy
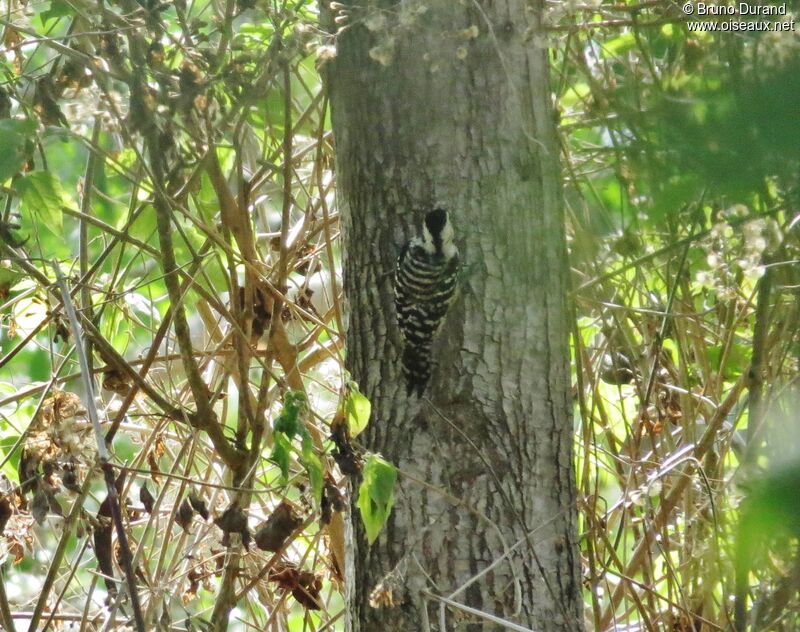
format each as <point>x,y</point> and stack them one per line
<point>447,103</point>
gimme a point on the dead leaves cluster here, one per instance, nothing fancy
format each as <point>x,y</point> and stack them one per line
<point>305,586</point>
<point>55,453</point>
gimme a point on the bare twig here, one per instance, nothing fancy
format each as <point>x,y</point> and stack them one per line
<point>102,452</point>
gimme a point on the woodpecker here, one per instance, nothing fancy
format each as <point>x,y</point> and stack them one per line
<point>424,284</point>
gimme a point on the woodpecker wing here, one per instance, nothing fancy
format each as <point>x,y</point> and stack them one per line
<point>424,286</point>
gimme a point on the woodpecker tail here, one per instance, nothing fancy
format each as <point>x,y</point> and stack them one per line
<point>416,367</point>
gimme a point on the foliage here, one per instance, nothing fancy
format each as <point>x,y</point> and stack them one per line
<point>376,494</point>
<point>357,410</point>
<point>682,180</point>
<point>174,160</point>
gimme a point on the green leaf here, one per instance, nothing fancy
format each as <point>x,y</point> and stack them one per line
<point>6,444</point>
<point>144,226</point>
<point>42,195</point>
<point>376,495</point>
<point>313,467</point>
<point>15,134</point>
<point>281,449</point>
<point>737,360</point>
<point>357,408</point>
<point>289,420</point>
<point>620,45</point>
<point>58,9</point>
<point>39,366</point>
<point>8,278</point>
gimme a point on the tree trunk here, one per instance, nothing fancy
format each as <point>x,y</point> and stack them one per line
<point>447,103</point>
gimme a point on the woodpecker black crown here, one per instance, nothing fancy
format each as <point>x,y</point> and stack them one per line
<point>435,221</point>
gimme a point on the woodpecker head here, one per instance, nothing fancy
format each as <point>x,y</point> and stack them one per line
<point>437,234</point>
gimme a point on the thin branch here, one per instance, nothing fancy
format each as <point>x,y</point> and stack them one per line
<point>5,611</point>
<point>481,614</point>
<point>83,240</point>
<point>102,452</point>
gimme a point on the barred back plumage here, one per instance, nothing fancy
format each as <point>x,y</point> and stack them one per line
<point>425,283</point>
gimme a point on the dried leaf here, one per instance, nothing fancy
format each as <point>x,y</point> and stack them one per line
<point>219,562</point>
<point>278,527</point>
<point>285,576</point>
<point>152,461</point>
<point>40,506</point>
<point>233,520</point>
<point>18,551</point>
<point>116,381</point>
<point>185,514</point>
<point>307,590</point>
<point>146,498</point>
<point>198,504</point>
<point>159,447</point>
<point>49,468</point>
<point>53,503</point>
<point>65,405</point>
<point>194,583</point>
<point>332,500</point>
<point>61,333</point>
<point>5,512</point>
<point>336,544</point>
<point>27,470</point>
<point>102,538</point>
<point>347,458</point>
<point>261,307</point>
<point>69,477</point>
<point>102,550</point>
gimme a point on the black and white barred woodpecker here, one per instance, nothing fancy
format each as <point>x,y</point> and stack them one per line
<point>424,285</point>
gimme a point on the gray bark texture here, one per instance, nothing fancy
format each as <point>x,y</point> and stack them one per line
<point>447,103</point>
